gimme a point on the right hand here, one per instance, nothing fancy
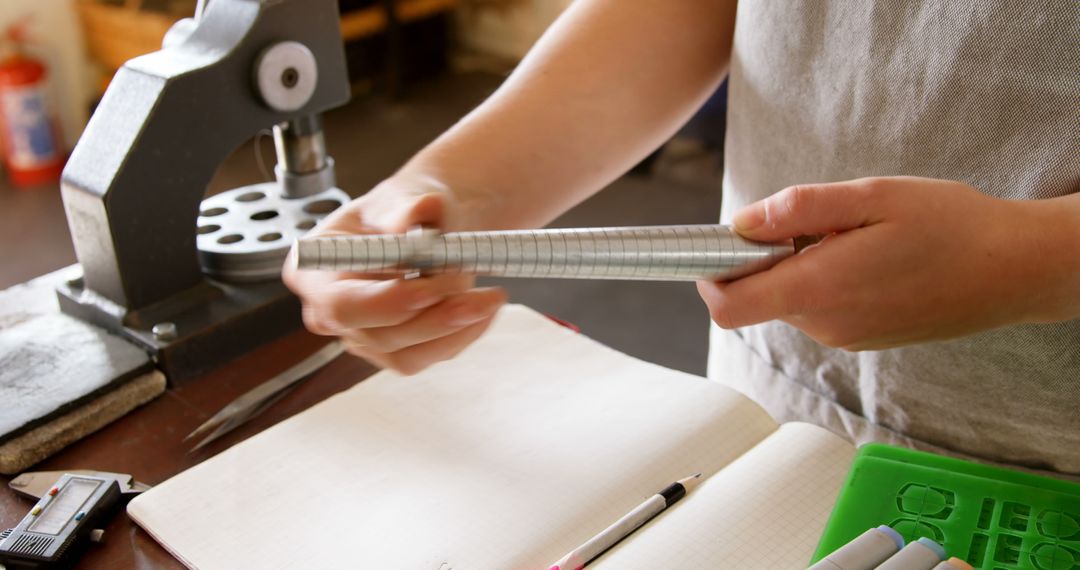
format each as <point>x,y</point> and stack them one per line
<point>405,325</point>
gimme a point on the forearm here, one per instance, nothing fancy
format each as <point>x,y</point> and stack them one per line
<point>608,83</point>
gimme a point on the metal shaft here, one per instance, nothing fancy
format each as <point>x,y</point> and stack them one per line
<point>657,253</point>
<point>300,145</point>
<point>303,166</point>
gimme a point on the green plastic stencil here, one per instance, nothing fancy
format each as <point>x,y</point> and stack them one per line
<point>993,518</point>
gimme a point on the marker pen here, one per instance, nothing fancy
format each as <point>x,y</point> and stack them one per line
<point>923,554</point>
<point>954,563</point>
<point>865,552</point>
<point>597,545</point>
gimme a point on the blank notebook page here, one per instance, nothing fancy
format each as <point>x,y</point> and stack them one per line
<point>506,457</point>
<point>765,510</point>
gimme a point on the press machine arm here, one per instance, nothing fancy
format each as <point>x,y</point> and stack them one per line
<point>134,185</point>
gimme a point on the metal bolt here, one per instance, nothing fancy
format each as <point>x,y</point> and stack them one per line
<point>164,331</point>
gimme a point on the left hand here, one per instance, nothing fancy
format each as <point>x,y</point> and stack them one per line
<point>904,260</point>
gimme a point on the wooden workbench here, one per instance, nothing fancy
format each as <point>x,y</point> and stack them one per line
<point>147,443</point>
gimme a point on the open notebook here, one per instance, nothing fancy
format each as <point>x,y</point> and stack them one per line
<point>507,457</point>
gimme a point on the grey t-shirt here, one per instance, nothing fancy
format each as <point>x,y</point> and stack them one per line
<point>985,92</point>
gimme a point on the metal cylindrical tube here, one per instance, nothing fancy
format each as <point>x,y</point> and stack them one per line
<point>657,253</point>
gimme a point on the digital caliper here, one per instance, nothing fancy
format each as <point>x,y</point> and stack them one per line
<point>70,513</point>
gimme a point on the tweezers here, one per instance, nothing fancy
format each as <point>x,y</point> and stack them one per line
<point>252,403</point>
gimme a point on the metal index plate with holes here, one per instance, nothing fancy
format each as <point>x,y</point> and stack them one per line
<point>245,234</point>
<point>658,253</point>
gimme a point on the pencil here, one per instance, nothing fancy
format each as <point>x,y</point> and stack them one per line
<point>577,559</point>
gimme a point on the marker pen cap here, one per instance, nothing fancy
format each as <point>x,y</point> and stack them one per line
<point>865,552</point>
<point>923,554</point>
<point>895,536</point>
<point>954,563</point>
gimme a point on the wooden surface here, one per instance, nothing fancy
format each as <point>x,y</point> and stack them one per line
<point>147,443</point>
<point>361,23</point>
<point>115,34</point>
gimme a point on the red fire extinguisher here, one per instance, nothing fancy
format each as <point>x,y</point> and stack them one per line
<point>30,143</point>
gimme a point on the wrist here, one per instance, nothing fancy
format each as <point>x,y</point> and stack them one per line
<point>465,209</point>
<point>1054,250</point>
<point>472,203</point>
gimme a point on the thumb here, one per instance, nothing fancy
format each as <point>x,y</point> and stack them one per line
<point>808,209</point>
<point>403,201</point>
<point>422,210</point>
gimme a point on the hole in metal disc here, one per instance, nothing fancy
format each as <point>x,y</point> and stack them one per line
<point>231,238</point>
<point>250,196</point>
<point>305,225</point>
<point>322,206</point>
<point>211,212</point>
<point>270,237</point>
<point>208,229</point>
<point>264,215</point>
<point>290,77</point>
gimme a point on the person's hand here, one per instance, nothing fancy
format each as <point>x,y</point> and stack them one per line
<point>904,260</point>
<point>406,325</point>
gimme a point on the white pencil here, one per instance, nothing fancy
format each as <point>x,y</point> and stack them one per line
<point>643,513</point>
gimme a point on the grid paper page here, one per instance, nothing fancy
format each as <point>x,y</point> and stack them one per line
<point>765,511</point>
<point>507,457</point>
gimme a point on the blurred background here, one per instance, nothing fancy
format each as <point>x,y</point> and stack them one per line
<point>415,66</point>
